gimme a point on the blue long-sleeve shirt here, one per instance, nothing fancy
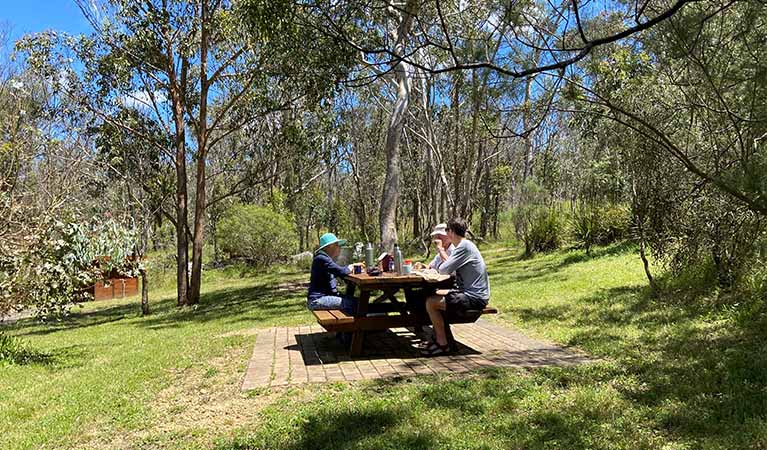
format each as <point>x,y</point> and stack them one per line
<point>323,279</point>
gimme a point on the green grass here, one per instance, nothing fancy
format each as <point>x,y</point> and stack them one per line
<point>682,370</point>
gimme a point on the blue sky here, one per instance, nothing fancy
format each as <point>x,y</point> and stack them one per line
<point>26,16</point>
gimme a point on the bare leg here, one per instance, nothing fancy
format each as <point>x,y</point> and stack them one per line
<point>434,306</point>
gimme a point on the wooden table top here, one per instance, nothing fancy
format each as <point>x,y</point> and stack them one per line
<point>392,279</point>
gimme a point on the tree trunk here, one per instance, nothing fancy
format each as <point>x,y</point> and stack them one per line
<point>458,170</point>
<point>144,293</point>
<point>390,195</point>
<point>199,232</point>
<point>416,215</point>
<point>526,125</point>
<point>202,150</point>
<point>182,245</point>
<point>639,219</point>
<point>359,206</point>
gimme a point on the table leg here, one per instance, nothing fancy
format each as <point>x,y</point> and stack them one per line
<point>350,289</point>
<point>359,335</point>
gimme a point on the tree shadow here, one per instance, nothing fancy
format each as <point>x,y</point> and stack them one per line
<point>338,429</point>
<point>247,304</point>
<point>230,305</point>
<point>69,357</point>
<point>705,379</point>
<point>76,320</point>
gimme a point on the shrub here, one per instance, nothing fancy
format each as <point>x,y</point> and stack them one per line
<point>615,222</point>
<point>13,350</point>
<point>259,234</point>
<point>545,231</point>
<point>536,224</point>
<point>57,262</point>
<point>599,225</point>
<point>539,228</point>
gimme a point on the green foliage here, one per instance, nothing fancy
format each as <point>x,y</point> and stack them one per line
<point>259,234</point>
<point>61,261</point>
<point>538,225</point>
<point>544,231</point>
<point>10,348</point>
<point>599,225</point>
<point>13,350</point>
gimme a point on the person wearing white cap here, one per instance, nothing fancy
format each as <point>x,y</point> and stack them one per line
<point>444,246</point>
<point>416,298</point>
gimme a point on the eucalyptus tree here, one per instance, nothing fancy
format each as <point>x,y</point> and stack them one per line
<point>202,70</point>
<point>389,24</point>
<point>44,177</point>
<point>141,179</point>
<point>683,107</point>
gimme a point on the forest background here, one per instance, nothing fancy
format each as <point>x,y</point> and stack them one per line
<point>204,132</point>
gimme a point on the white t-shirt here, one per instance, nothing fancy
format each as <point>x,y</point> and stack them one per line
<point>437,261</point>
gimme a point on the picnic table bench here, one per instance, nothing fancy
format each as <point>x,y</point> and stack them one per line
<point>397,315</point>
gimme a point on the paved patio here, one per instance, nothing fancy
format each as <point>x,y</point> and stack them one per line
<point>297,355</point>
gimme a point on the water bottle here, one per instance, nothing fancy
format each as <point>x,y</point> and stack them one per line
<point>397,259</point>
<point>369,256</point>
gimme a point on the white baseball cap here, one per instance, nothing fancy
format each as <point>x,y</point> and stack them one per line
<point>440,230</point>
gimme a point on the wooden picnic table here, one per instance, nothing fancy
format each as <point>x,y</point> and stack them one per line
<point>390,284</point>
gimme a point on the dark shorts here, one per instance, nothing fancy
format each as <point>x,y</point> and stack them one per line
<point>457,301</point>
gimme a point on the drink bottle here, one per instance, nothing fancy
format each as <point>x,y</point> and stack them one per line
<point>369,257</point>
<point>397,259</point>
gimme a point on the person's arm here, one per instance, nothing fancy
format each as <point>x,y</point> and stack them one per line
<point>441,256</point>
<point>332,267</point>
<point>434,264</point>
<point>457,259</point>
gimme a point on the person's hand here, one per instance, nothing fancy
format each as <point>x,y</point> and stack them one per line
<point>351,268</point>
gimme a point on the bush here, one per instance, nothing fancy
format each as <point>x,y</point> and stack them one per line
<point>15,351</point>
<point>599,225</point>
<point>259,234</point>
<point>545,232</point>
<point>57,262</point>
<point>536,224</point>
<point>539,228</point>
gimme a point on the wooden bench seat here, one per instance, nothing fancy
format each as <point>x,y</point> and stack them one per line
<point>336,320</point>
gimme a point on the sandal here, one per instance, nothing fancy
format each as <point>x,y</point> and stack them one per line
<point>428,345</point>
<point>436,350</point>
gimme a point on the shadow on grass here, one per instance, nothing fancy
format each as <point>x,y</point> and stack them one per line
<point>22,354</point>
<point>76,321</point>
<point>332,428</point>
<point>242,304</point>
<point>704,377</point>
<point>249,304</point>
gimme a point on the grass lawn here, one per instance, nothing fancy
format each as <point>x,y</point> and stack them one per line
<point>679,372</point>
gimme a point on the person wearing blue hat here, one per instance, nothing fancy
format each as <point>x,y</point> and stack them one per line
<point>323,285</point>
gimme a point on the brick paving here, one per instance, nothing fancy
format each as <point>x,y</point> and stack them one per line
<point>307,354</point>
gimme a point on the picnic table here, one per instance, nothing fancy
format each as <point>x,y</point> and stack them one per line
<point>397,315</point>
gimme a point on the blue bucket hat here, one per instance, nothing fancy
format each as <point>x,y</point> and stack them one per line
<point>329,238</point>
